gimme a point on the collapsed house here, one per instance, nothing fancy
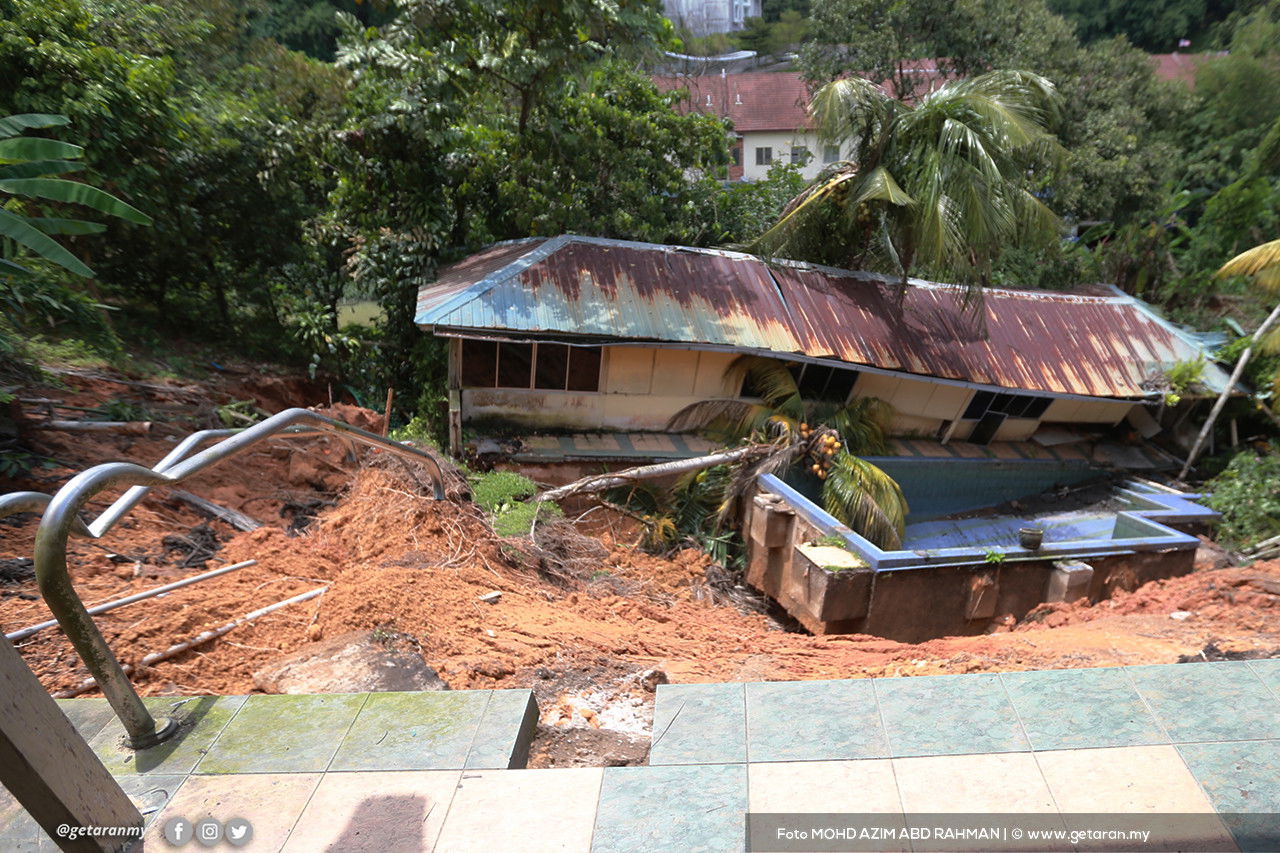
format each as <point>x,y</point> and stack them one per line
<point>580,350</point>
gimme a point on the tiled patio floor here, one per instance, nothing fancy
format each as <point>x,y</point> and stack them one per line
<point>409,772</point>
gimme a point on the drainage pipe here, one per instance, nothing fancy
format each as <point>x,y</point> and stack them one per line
<point>198,640</point>
<point>23,633</point>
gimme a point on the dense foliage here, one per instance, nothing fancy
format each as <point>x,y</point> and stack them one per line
<point>1246,495</point>
<point>299,155</point>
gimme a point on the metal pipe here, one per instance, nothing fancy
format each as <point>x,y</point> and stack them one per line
<point>61,517</point>
<point>199,639</point>
<point>23,633</point>
<point>16,502</point>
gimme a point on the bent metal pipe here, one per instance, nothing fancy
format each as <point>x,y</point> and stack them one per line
<point>61,519</point>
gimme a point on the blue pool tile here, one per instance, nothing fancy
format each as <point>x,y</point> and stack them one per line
<point>1242,781</point>
<point>689,809</point>
<point>1078,708</point>
<point>699,724</point>
<point>839,720</point>
<point>1209,701</point>
<point>948,715</point>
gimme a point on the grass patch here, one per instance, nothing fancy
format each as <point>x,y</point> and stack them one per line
<point>518,519</point>
<point>497,491</point>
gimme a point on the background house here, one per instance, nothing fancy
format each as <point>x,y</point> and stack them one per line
<point>770,115</point>
<point>579,333</point>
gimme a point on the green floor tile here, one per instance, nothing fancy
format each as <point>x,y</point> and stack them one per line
<point>201,720</point>
<point>506,730</point>
<point>1242,781</point>
<point>699,724</point>
<point>839,720</point>
<point>948,715</point>
<point>283,734</point>
<point>1209,701</point>
<point>1269,672</point>
<point>1076,708</point>
<point>89,716</point>
<point>689,809</point>
<point>413,731</point>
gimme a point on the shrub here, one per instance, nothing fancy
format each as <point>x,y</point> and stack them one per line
<point>1247,494</point>
<point>498,490</point>
<point>518,518</point>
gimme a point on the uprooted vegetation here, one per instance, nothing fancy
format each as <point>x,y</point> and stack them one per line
<point>581,613</point>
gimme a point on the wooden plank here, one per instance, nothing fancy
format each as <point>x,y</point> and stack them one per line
<point>50,769</point>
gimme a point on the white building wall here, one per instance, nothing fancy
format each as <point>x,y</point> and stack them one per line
<point>781,143</point>
<point>704,17</point>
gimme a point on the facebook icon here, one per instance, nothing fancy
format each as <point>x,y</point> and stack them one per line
<point>178,831</point>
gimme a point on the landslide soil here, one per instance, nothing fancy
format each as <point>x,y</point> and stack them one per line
<point>580,632</point>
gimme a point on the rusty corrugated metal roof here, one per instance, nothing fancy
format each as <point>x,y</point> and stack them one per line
<point>1093,345</point>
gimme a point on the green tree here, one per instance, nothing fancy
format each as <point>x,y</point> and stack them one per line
<point>1154,25</point>
<point>940,185</point>
<point>822,437</point>
<point>29,169</point>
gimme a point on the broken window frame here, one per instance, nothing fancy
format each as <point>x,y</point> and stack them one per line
<point>581,372</point>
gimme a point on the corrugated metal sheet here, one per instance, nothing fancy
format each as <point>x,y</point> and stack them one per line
<point>1101,346</point>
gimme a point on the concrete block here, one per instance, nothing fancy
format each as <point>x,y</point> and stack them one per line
<point>1069,580</point>
<point>771,521</point>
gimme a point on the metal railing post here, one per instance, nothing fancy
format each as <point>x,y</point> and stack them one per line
<point>61,519</point>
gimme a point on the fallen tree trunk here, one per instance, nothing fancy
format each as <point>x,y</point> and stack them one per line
<point>600,482</point>
<point>236,519</point>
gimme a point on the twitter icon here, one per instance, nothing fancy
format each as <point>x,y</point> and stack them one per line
<point>238,831</point>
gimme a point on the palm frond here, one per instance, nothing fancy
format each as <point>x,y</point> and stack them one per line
<point>863,424</point>
<point>1261,262</point>
<point>867,499</point>
<point>724,419</point>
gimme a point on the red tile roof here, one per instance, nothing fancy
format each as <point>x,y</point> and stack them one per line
<point>763,100</point>
<point>1181,66</point>
<point>756,101</point>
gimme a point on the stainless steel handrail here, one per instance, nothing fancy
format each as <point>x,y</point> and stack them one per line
<point>61,519</point>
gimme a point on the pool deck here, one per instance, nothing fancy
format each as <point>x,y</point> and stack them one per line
<point>423,771</point>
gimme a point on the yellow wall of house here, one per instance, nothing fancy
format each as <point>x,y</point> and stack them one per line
<point>642,387</point>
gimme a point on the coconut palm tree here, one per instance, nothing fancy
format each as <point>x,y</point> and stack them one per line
<point>1262,264</point>
<point>29,167</point>
<point>942,184</point>
<point>823,437</point>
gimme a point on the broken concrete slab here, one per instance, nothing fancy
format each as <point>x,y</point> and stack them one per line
<point>356,662</point>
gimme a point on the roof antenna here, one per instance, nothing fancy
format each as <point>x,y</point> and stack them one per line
<point>722,72</point>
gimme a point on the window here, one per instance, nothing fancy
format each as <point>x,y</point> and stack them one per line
<point>815,382</point>
<point>800,155</point>
<point>830,153</point>
<point>764,156</point>
<point>553,367</point>
<point>1009,405</point>
<point>737,155</point>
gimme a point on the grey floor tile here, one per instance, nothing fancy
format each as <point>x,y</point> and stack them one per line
<point>506,730</point>
<point>1074,708</point>
<point>18,830</point>
<point>152,791</point>
<point>283,734</point>
<point>690,809</point>
<point>1242,780</point>
<point>699,724</point>
<point>1269,672</point>
<point>1209,701</point>
<point>89,716</point>
<point>201,720</point>
<point>413,731</point>
<point>948,715</point>
<point>814,721</point>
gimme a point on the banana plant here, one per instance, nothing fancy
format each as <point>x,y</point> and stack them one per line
<point>30,167</point>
